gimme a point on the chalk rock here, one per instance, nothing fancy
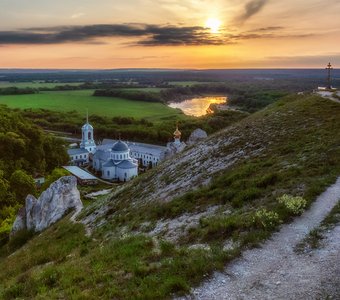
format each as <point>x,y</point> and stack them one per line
<point>196,136</point>
<point>54,203</point>
<point>173,148</point>
<point>20,221</point>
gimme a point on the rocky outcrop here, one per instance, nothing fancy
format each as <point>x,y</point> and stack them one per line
<point>173,148</point>
<point>38,214</point>
<point>196,136</point>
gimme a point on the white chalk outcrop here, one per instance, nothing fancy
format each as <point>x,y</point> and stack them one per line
<point>196,136</point>
<point>60,198</point>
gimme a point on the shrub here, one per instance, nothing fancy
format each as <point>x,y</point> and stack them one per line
<point>295,205</point>
<point>266,219</point>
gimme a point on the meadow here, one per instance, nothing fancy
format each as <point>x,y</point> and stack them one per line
<point>36,84</point>
<point>80,100</point>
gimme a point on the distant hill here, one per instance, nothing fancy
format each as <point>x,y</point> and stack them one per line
<point>168,229</point>
<point>164,74</point>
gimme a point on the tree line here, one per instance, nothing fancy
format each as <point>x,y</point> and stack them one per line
<point>25,151</point>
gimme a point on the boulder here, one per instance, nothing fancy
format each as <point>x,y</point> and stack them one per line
<point>173,148</point>
<point>61,197</point>
<point>196,136</point>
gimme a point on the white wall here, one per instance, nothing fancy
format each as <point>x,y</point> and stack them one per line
<point>128,172</point>
<point>112,174</point>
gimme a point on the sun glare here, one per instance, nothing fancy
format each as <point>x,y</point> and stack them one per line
<point>213,24</point>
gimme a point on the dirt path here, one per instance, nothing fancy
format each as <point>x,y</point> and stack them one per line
<point>275,271</point>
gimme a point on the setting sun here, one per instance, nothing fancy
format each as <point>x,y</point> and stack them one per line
<point>213,24</point>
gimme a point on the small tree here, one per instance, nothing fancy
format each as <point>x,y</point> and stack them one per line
<point>22,184</point>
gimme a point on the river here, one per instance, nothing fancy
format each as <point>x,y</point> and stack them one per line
<point>198,106</point>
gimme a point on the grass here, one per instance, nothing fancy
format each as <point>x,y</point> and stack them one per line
<point>299,137</point>
<point>36,85</point>
<point>81,100</point>
<point>301,158</point>
<point>63,263</point>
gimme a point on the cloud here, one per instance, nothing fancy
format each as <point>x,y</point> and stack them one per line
<point>142,34</point>
<point>269,28</point>
<point>147,35</point>
<point>251,8</point>
<point>259,35</point>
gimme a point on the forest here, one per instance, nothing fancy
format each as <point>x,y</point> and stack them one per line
<point>25,152</point>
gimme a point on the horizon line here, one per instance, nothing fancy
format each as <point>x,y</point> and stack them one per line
<point>170,69</point>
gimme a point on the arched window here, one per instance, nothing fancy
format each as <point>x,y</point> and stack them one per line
<point>89,135</point>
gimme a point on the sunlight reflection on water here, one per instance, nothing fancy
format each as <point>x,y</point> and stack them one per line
<point>198,106</point>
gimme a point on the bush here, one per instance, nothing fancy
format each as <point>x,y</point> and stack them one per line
<point>295,205</point>
<point>266,219</point>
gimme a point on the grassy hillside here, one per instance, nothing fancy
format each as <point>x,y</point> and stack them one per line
<point>66,101</point>
<point>170,228</point>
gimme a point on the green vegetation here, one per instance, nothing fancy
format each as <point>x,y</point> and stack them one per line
<point>295,205</point>
<point>134,129</point>
<point>25,151</point>
<point>299,157</point>
<point>250,97</point>
<point>22,184</point>
<point>187,83</point>
<point>135,95</point>
<point>297,154</point>
<point>62,262</point>
<point>66,101</point>
<point>36,84</point>
<point>53,176</point>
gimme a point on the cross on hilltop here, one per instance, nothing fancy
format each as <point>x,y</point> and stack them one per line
<point>329,78</point>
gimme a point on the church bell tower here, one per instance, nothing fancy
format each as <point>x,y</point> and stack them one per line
<point>87,139</point>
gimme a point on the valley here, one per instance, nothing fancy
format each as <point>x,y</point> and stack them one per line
<point>212,202</point>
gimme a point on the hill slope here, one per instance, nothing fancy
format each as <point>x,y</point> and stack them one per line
<point>154,236</point>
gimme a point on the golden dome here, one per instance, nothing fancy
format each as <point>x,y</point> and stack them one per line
<point>177,133</point>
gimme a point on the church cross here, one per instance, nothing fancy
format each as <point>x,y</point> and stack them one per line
<point>329,79</point>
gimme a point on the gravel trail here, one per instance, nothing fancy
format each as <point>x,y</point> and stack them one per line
<point>275,271</point>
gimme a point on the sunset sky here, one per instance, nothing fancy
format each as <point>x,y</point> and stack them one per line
<point>169,33</point>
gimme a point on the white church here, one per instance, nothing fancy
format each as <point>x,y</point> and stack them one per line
<point>118,160</point>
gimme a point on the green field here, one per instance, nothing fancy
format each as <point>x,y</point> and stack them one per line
<point>81,100</point>
<point>36,85</point>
